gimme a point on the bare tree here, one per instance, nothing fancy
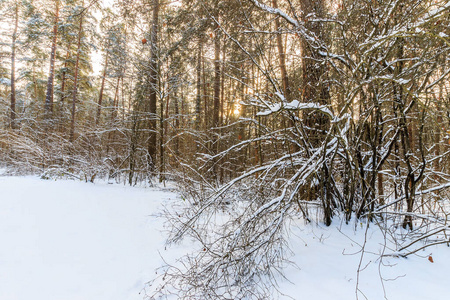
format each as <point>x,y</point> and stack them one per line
<point>356,108</point>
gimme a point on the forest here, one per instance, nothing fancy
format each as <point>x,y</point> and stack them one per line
<point>260,111</point>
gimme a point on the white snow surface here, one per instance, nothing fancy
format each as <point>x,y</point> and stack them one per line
<point>327,260</point>
<point>67,240</point>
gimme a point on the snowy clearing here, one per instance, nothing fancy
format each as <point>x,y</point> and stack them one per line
<point>77,241</point>
<point>72,240</point>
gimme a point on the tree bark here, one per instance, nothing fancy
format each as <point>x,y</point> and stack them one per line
<point>51,74</point>
<point>13,69</point>
<point>314,88</point>
<point>75,82</point>
<point>282,57</point>
<point>205,96</point>
<point>100,97</point>
<point>162,166</point>
<point>63,79</point>
<point>216,109</point>
<point>222,88</point>
<point>198,101</point>
<point>153,84</point>
<point>177,124</point>
<point>115,102</point>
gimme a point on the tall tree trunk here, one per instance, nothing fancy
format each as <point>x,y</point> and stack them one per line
<point>216,99</point>
<point>115,107</point>
<point>75,82</point>
<point>283,70</point>
<point>282,57</point>
<point>177,124</point>
<point>13,69</point>
<point>63,79</point>
<point>205,96</point>
<point>315,88</point>
<point>198,101</point>
<point>153,84</point>
<point>35,91</point>
<point>437,134</point>
<point>100,97</point>
<point>162,166</point>
<point>222,88</point>
<point>51,74</point>
<point>123,98</point>
<point>216,109</point>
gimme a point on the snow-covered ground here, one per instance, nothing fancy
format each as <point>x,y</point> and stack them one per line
<point>64,240</point>
<point>328,260</point>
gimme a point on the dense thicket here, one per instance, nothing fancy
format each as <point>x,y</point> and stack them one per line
<point>262,111</point>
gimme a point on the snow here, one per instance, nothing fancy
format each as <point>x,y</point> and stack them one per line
<point>77,241</point>
<point>403,81</point>
<point>276,11</point>
<point>328,259</point>
<point>80,241</point>
<point>5,81</point>
<point>294,105</point>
